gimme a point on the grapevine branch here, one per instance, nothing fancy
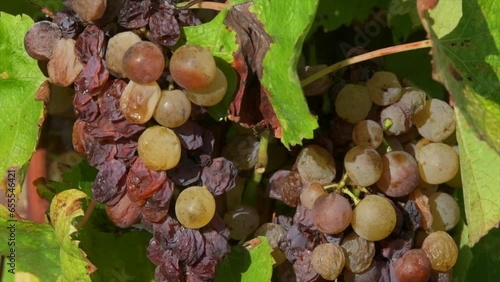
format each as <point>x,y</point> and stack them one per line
<point>365,57</point>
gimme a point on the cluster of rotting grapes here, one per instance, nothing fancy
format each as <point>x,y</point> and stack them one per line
<point>384,218</point>
<point>135,125</point>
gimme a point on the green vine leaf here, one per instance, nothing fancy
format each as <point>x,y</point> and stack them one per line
<point>289,114</point>
<point>465,37</point>
<point>47,252</point>
<point>279,76</point>
<point>36,249</point>
<point>20,78</point>
<point>247,265</point>
<point>479,165</point>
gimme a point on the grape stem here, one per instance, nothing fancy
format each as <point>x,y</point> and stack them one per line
<point>86,215</point>
<point>389,148</point>
<point>196,4</point>
<point>365,57</point>
<point>348,192</point>
<point>337,186</point>
<point>260,166</point>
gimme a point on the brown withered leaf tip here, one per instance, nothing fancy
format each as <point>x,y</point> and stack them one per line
<point>251,106</point>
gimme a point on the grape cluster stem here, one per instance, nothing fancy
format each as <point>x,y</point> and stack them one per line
<point>260,166</point>
<point>365,57</point>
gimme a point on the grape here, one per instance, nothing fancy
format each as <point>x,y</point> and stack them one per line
<point>143,62</point>
<point>396,119</point>
<point>331,213</point>
<point>399,174</point>
<point>445,211</point>
<point>138,101</point>
<point>374,218</point>
<point>88,10</point>
<point>243,151</point>
<point>437,163</point>
<point>353,103</point>
<point>285,186</point>
<point>414,99</point>
<point>367,133</point>
<point>384,88</point>
<point>316,164</point>
<point>363,165</point>
<point>441,250</point>
<point>64,66</point>
<point>413,266</point>
<point>328,260</point>
<point>193,67</point>
<point>173,109</point>
<point>241,221</point>
<point>310,193</point>
<point>159,148</point>
<point>233,196</point>
<point>195,207</point>
<point>212,94</point>
<point>117,46</point>
<point>272,231</point>
<point>359,252</point>
<point>41,40</point>
<point>436,121</point>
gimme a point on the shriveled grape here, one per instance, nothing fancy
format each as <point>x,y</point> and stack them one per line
<point>192,67</point>
<point>64,66</point>
<point>353,103</point>
<point>138,101</point>
<point>159,148</point>
<point>331,213</point>
<point>328,260</point>
<point>195,207</point>
<point>374,218</point>
<point>316,164</point>
<point>173,108</point>
<point>359,252</point>
<point>363,165</point>
<point>272,232</point>
<point>441,250</point>
<point>143,62</point>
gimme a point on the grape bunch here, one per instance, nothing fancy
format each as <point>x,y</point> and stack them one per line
<point>136,99</point>
<point>399,161</point>
<point>366,200</point>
